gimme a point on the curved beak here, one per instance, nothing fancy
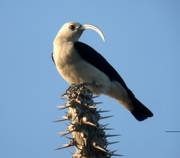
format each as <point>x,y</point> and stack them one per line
<point>94,28</point>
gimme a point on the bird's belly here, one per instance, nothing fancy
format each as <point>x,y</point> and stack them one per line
<point>83,72</point>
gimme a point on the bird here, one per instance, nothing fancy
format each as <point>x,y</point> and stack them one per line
<point>79,63</point>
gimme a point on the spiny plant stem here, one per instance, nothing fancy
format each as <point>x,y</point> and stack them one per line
<point>87,134</point>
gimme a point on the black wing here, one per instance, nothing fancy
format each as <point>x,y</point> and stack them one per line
<point>52,57</point>
<point>96,59</point>
<point>139,111</point>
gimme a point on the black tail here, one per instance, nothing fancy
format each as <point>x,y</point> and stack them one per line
<point>139,111</point>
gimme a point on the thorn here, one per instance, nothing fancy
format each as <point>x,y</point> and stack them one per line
<point>65,133</point>
<point>115,142</point>
<point>64,146</point>
<point>98,147</point>
<point>89,123</point>
<point>116,155</point>
<point>102,111</point>
<point>70,138</point>
<point>61,107</point>
<point>71,143</point>
<point>97,103</point>
<point>112,135</point>
<point>105,117</point>
<point>63,119</point>
<point>91,107</point>
<point>105,125</point>
<point>85,121</point>
<point>60,120</point>
<point>112,153</point>
<point>63,96</point>
<point>107,129</point>
<point>95,96</point>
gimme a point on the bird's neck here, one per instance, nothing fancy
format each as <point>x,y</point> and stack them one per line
<point>61,43</point>
<point>62,50</point>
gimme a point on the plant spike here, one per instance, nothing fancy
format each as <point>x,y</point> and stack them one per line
<point>87,134</point>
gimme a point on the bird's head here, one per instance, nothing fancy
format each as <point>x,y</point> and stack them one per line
<point>72,31</point>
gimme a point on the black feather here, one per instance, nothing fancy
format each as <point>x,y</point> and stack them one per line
<point>139,111</point>
<point>96,59</point>
<point>52,57</point>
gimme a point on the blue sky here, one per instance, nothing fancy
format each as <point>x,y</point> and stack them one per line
<point>142,43</point>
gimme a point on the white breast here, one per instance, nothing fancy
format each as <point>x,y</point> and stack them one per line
<point>74,69</point>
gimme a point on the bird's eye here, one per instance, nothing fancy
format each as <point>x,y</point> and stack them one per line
<point>72,27</point>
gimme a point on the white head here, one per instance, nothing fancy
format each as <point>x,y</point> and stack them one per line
<point>72,31</point>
